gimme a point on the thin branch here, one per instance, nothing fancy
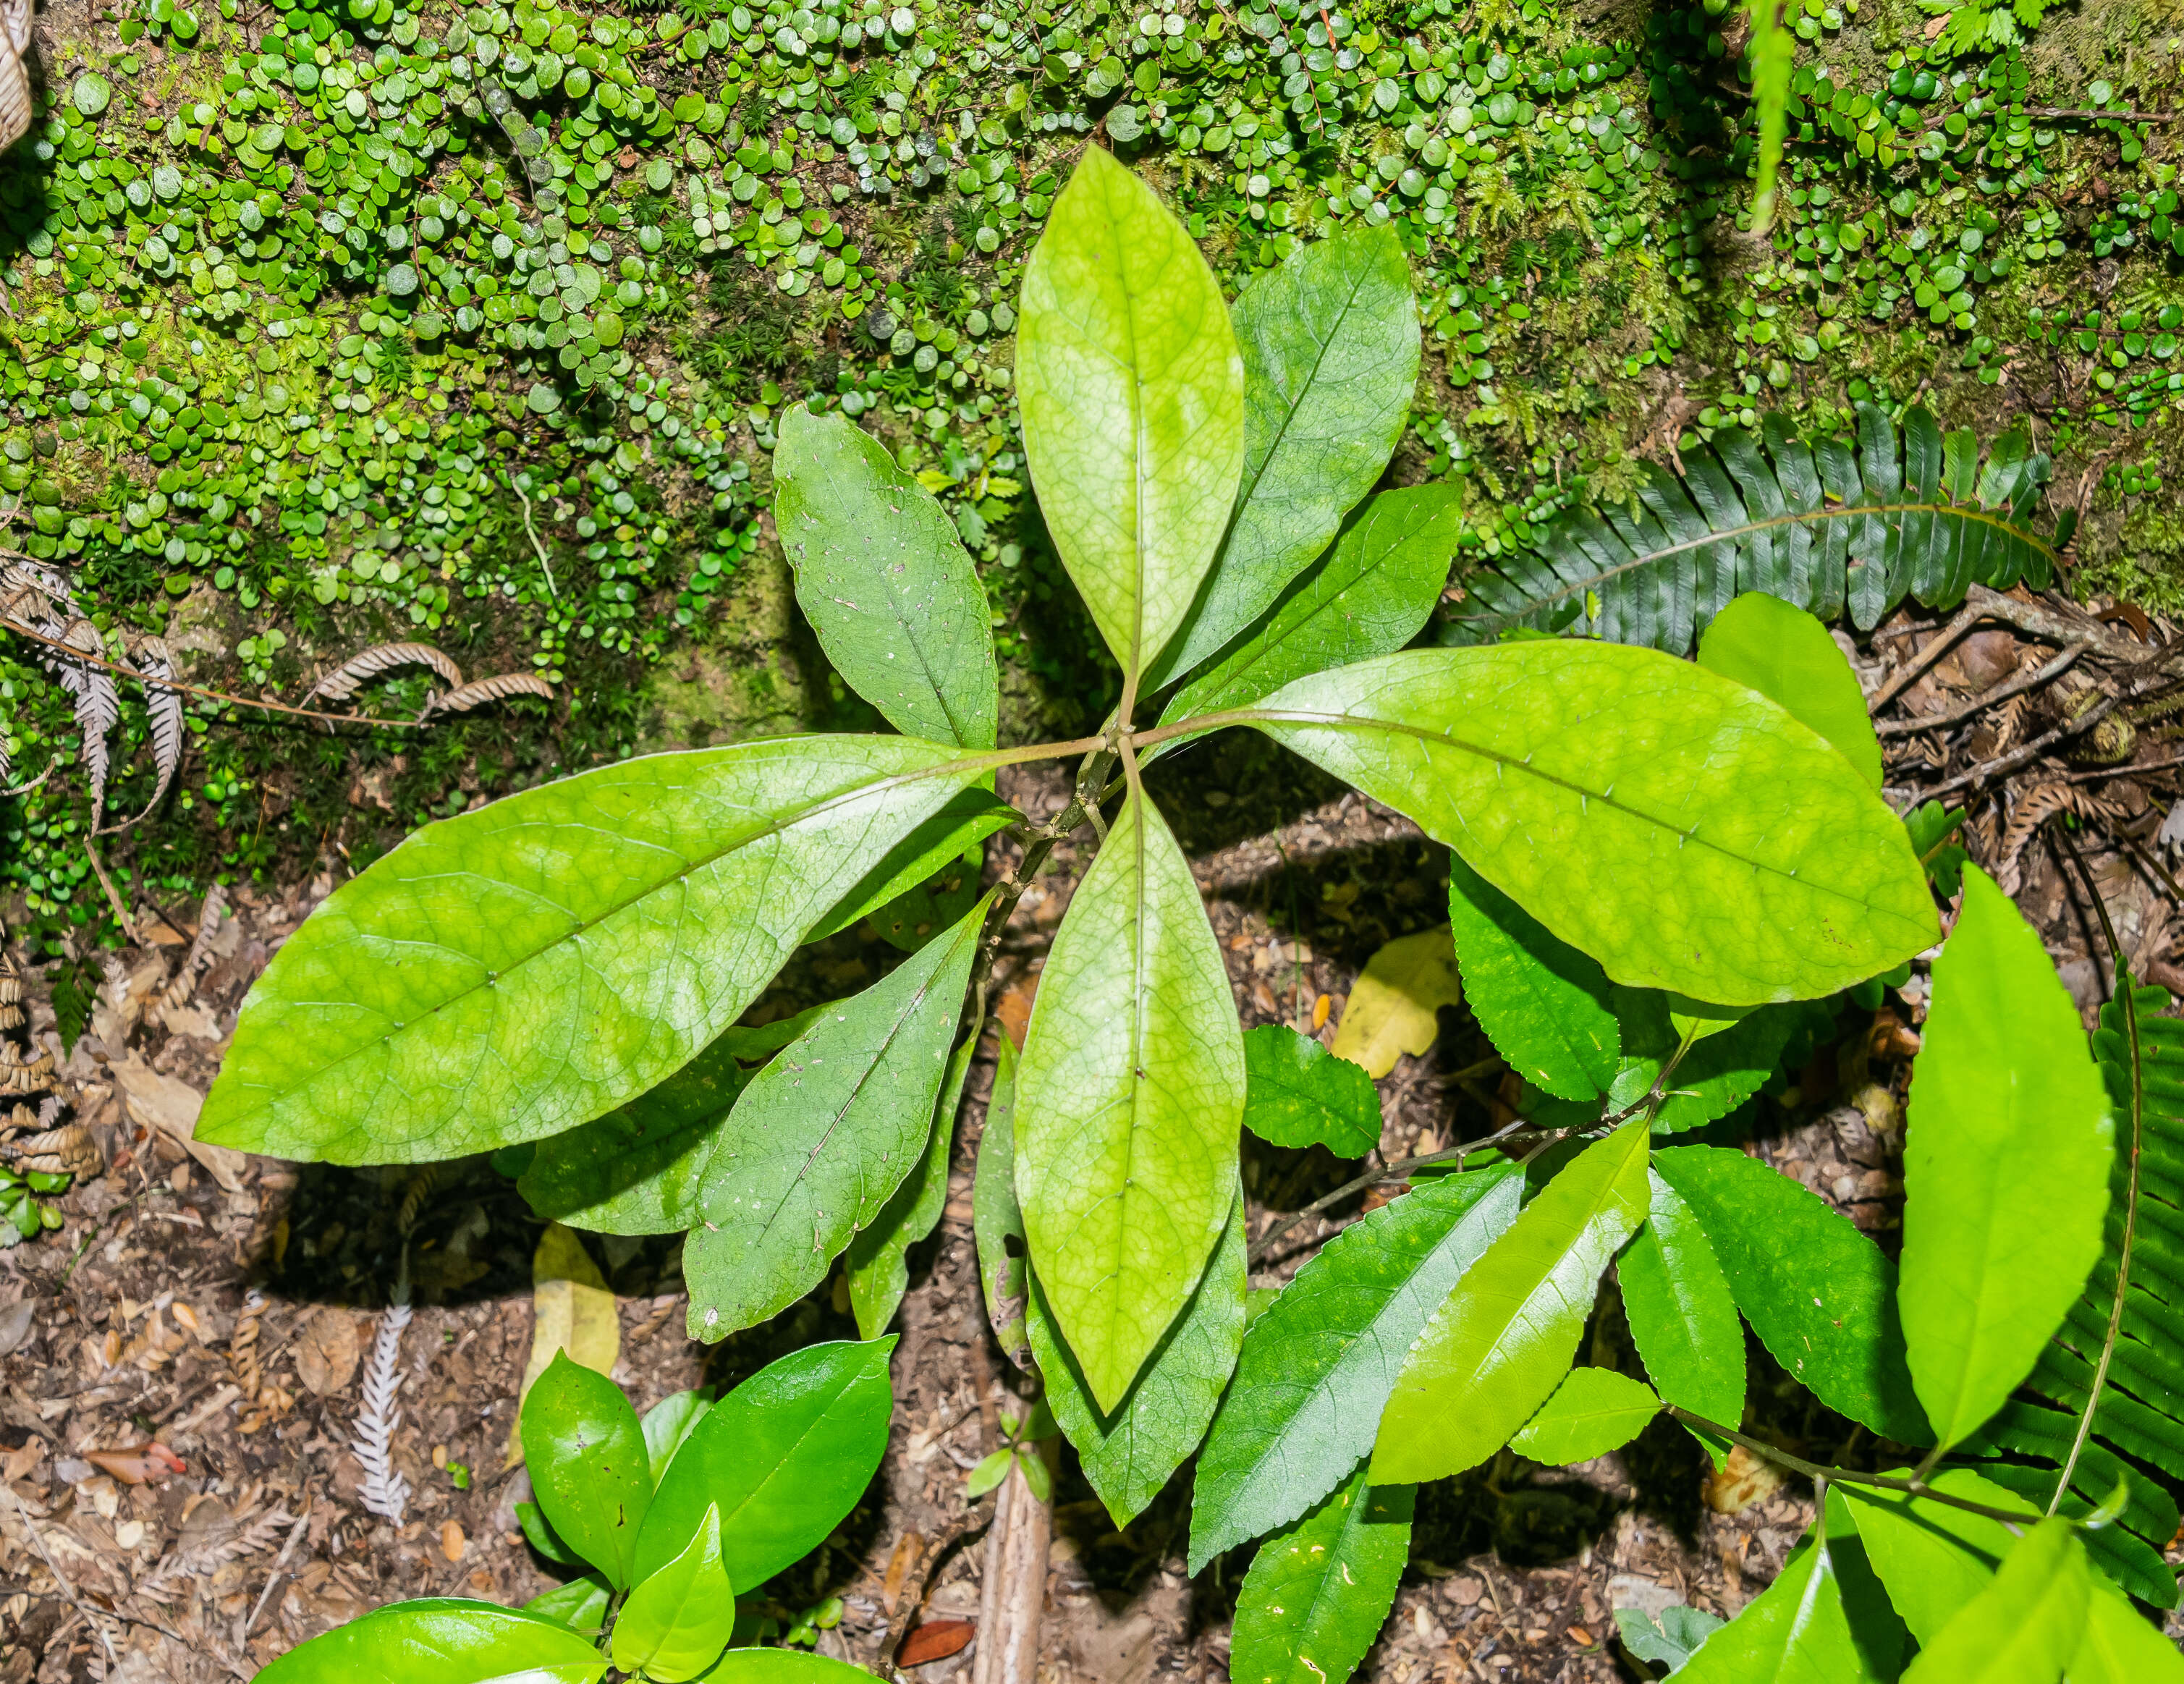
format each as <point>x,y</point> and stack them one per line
<point>976,1517</point>
<point>2094,775</point>
<point>68,1591</point>
<point>121,912</point>
<point>2031,751</point>
<point>2001,692</point>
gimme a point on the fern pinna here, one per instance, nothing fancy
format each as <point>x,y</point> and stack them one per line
<point>1826,524</point>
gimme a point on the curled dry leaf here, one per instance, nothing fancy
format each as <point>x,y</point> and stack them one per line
<point>341,683</point>
<point>1394,1006</point>
<point>138,1465</point>
<point>327,1350</point>
<point>68,1149</point>
<point>468,696</point>
<point>936,1640</point>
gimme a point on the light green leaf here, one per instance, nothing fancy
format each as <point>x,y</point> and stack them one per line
<point>785,1456</point>
<point>1543,1003</point>
<point>996,1222</point>
<point>937,847</point>
<point>1728,852</point>
<point>2005,1165</point>
<point>2025,1626</point>
<point>877,1260</point>
<point>782,1666</point>
<point>884,581</point>
<point>822,1137</point>
<point>581,1604</point>
<point>1132,395</point>
<point>1330,346</point>
<point>1820,1296</point>
<point>1130,1098</point>
<point>989,1473</point>
<point>677,1621</point>
<point>1495,1352</point>
<point>588,1465</point>
<point>1592,1412</point>
<point>1300,1095</point>
<point>668,1423</point>
<point>1367,596</point>
<point>539,1533</point>
<point>1785,654</point>
<point>1683,1318</point>
<point>443,1641</point>
<point>1795,1631</point>
<point>1130,1451</point>
<point>511,972</point>
<point>1318,1591</point>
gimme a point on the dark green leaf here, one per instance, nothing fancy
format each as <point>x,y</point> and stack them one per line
<point>539,1533</point>
<point>884,581</point>
<point>581,1604</point>
<point>588,1465</point>
<point>785,1456</point>
<point>1718,1073</point>
<point>1674,1640</point>
<point>1683,1318</point>
<point>877,1260</point>
<point>1319,1591</point>
<point>514,972</point>
<point>1330,345</point>
<point>995,1220</point>
<point>680,1617</point>
<point>1129,1452</point>
<point>1785,653</point>
<point>443,1641</point>
<point>1545,1005</point>
<point>1318,1363</point>
<point>668,1423</point>
<point>822,1137</point>
<point>1819,1294</point>
<point>1933,831</point>
<point>1795,1631</point>
<point>1592,1412</point>
<point>1299,1094</point>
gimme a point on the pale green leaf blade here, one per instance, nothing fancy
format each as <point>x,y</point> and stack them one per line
<point>783,1666</point>
<point>1329,340</point>
<point>1318,1591</point>
<point>441,1640</point>
<point>1301,1095</point>
<point>1130,1451</point>
<point>589,1464</point>
<point>996,1220</point>
<point>1367,596</point>
<point>940,846</point>
<point>1795,1631</point>
<point>884,581</point>
<point>677,1621</point>
<point>514,972</point>
<point>1130,1098</point>
<point>1544,1005</point>
<point>1592,1412</point>
<point>1784,653</point>
<point>1730,853</point>
<point>785,1456</point>
<point>1820,1296</point>
<point>822,1137</point>
<point>1495,1350</point>
<point>2005,1165</point>
<point>1674,1640</point>
<point>1318,1363</point>
<point>670,1422</point>
<point>581,1604</point>
<point>1683,1318</point>
<point>1132,393</point>
<point>2025,1626</point>
<point>878,1259</point>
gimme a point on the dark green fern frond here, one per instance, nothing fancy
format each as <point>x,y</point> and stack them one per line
<point>1825,525</point>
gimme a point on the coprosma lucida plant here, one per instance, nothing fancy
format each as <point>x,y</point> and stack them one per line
<point>1661,868</point>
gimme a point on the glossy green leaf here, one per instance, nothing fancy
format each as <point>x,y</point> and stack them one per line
<point>1319,1591</point>
<point>996,1222</point>
<point>1785,653</point>
<point>1592,1412</point>
<point>511,972</point>
<point>1716,1074</point>
<point>1318,1363</point>
<point>1129,1096</point>
<point>782,1666</point>
<point>679,1619</point>
<point>877,1260</point>
<point>668,1424</point>
<point>785,1456</point>
<point>1728,852</point>
<point>884,581</point>
<point>1934,833</point>
<point>822,1137</point>
<point>443,1640</point>
<point>1368,595</point>
<point>2005,1165</point>
<point>2025,1626</point>
<point>1299,1094</point>
<point>1820,1296</point>
<point>1544,1005</point>
<point>1129,1452</point>
<point>1682,1316</point>
<point>581,1604</point>
<point>539,1533</point>
<point>1132,393</point>
<point>588,1465</point>
<point>1795,1631</point>
<point>1497,1348</point>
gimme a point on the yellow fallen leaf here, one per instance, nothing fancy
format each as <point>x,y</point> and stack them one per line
<point>572,1311</point>
<point>1392,1006</point>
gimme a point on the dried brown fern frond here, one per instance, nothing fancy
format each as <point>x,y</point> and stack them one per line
<point>165,704</point>
<point>209,914</point>
<point>341,683</point>
<point>68,1149</point>
<point>2034,808</point>
<point>496,688</point>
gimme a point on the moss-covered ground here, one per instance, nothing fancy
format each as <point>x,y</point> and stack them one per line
<point>335,323</point>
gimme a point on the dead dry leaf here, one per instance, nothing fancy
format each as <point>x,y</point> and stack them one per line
<point>452,1542</point>
<point>162,1103</point>
<point>327,1351</point>
<point>139,1464</point>
<point>1393,1007</point>
<point>572,1311</point>
<point>1740,1481</point>
<point>936,1640</point>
